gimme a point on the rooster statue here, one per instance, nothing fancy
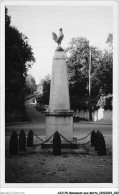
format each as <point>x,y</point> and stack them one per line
<point>56,38</point>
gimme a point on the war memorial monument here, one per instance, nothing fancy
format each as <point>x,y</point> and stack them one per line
<point>59,117</point>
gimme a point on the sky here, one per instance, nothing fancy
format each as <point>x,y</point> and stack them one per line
<point>38,22</point>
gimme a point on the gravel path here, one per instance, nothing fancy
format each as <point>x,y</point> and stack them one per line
<point>67,168</point>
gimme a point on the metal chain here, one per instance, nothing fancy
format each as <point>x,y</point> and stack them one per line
<point>48,139</point>
<point>63,138</point>
<point>38,137</point>
<point>85,136</point>
<point>42,140</point>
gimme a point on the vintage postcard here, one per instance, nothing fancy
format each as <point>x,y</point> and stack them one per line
<point>59,97</point>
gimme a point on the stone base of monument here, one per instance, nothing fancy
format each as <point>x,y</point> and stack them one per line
<point>61,121</point>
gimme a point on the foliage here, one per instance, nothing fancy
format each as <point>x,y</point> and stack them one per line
<point>78,72</point>
<point>109,40</point>
<point>30,85</point>
<point>77,64</point>
<point>46,89</point>
<point>104,74</point>
<point>105,102</point>
<point>18,58</point>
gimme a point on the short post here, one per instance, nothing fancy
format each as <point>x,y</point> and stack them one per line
<point>93,138</point>
<point>30,139</point>
<point>101,144</point>
<point>22,140</point>
<point>56,144</point>
<point>13,145</point>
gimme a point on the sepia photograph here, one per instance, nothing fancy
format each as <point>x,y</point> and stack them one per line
<point>58,98</point>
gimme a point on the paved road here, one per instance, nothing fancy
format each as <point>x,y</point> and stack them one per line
<point>38,124</point>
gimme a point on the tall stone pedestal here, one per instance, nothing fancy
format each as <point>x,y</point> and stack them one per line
<point>59,117</point>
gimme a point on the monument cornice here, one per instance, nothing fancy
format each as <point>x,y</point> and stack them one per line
<point>59,113</point>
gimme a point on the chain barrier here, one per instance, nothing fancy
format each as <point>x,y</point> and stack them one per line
<point>85,136</point>
<point>79,144</point>
<point>48,139</point>
<point>38,137</point>
<point>42,139</point>
<point>64,139</point>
